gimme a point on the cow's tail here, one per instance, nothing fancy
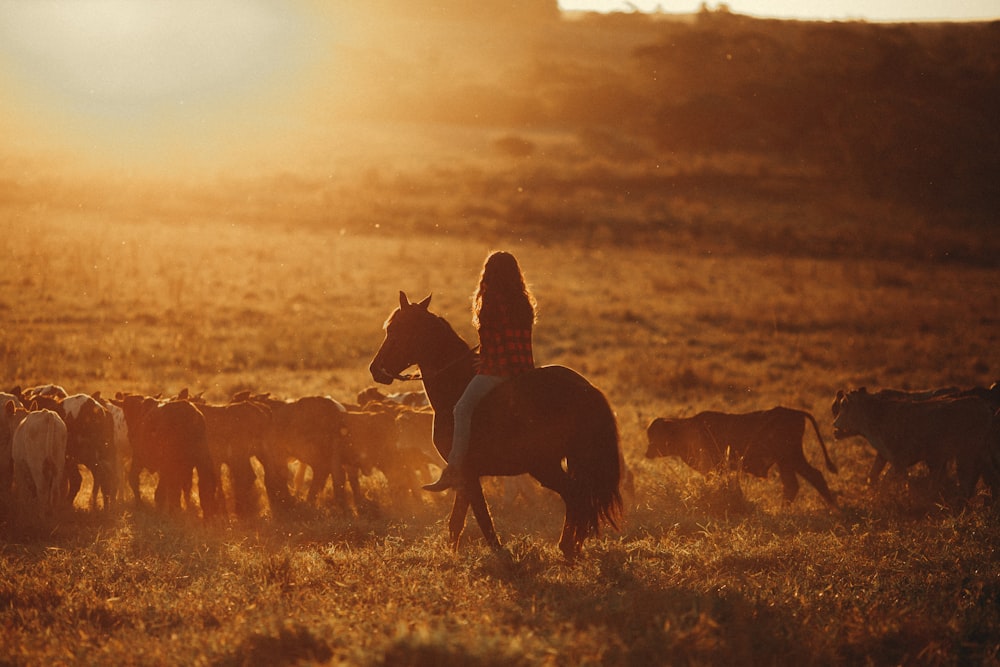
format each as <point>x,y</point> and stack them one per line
<point>830,465</point>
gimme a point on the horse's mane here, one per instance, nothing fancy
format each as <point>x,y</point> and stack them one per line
<point>438,320</point>
<point>445,324</point>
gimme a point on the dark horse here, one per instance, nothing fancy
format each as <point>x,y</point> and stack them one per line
<point>529,424</point>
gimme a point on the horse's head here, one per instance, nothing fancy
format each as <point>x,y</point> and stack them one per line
<point>404,334</point>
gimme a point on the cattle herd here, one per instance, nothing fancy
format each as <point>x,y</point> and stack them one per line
<point>246,456</point>
<point>938,428</point>
<point>256,452</point>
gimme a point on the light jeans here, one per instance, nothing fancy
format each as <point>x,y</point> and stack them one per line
<point>479,386</point>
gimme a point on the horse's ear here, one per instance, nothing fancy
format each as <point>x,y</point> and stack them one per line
<point>403,301</point>
<point>426,302</point>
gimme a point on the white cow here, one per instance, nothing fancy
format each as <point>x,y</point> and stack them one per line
<point>39,456</point>
<point>122,446</point>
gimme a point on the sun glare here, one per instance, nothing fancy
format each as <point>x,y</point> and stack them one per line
<point>129,76</point>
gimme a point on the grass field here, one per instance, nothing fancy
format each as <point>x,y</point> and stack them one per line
<point>715,213</point>
<point>702,571</point>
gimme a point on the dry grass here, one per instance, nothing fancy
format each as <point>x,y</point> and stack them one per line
<point>703,571</point>
<point>713,216</point>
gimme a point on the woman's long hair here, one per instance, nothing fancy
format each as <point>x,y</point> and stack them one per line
<point>502,293</point>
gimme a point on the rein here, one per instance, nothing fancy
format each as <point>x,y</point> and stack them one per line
<point>407,377</point>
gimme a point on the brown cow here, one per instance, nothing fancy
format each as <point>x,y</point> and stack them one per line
<point>756,441</point>
<point>991,395</point>
<point>409,399</point>
<point>377,434</point>
<point>91,443</point>
<point>415,448</point>
<point>934,431</point>
<point>311,430</point>
<point>373,435</point>
<point>170,439</point>
<point>235,433</point>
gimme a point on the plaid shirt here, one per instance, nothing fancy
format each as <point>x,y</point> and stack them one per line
<point>505,350</point>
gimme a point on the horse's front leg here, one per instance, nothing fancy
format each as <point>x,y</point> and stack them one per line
<point>456,522</point>
<point>482,513</point>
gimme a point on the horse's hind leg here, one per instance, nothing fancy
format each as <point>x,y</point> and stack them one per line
<point>557,480</point>
<point>482,513</point>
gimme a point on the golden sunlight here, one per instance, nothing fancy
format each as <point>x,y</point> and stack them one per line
<point>119,79</point>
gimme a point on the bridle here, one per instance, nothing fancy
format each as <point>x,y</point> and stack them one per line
<point>409,377</point>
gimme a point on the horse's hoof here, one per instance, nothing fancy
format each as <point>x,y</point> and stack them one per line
<point>504,555</point>
<point>570,553</point>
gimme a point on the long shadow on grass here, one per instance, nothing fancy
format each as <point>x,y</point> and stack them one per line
<point>646,622</point>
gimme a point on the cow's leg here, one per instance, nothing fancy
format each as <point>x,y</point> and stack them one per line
<point>243,478</point>
<point>815,477</point>
<point>321,471</point>
<point>878,465</point>
<point>160,493</point>
<point>790,482</point>
<point>276,483</point>
<point>185,497</point>
<point>967,469</point>
<point>121,479</point>
<point>273,458</point>
<point>51,486</point>
<point>99,487</point>
<point>938,474</point>
<point>110,484</point>
<point>25,490</point>
<point>105,484</point>
<point>133,481</point>
<point>74,480</point>
<point>991,475</point>
<point>167,494</point>
<point>209,490</point>
<point>95,490</point>
<point>352,479</point>
<point>171,489</point>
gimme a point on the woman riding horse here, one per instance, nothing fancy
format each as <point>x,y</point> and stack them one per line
<point>549,422</point>
<point>503,312</point>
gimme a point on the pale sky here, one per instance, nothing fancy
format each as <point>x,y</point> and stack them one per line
<point>871,10</point>
<point>186,78</point>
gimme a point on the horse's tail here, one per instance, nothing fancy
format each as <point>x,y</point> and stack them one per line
<point>595,462</point>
